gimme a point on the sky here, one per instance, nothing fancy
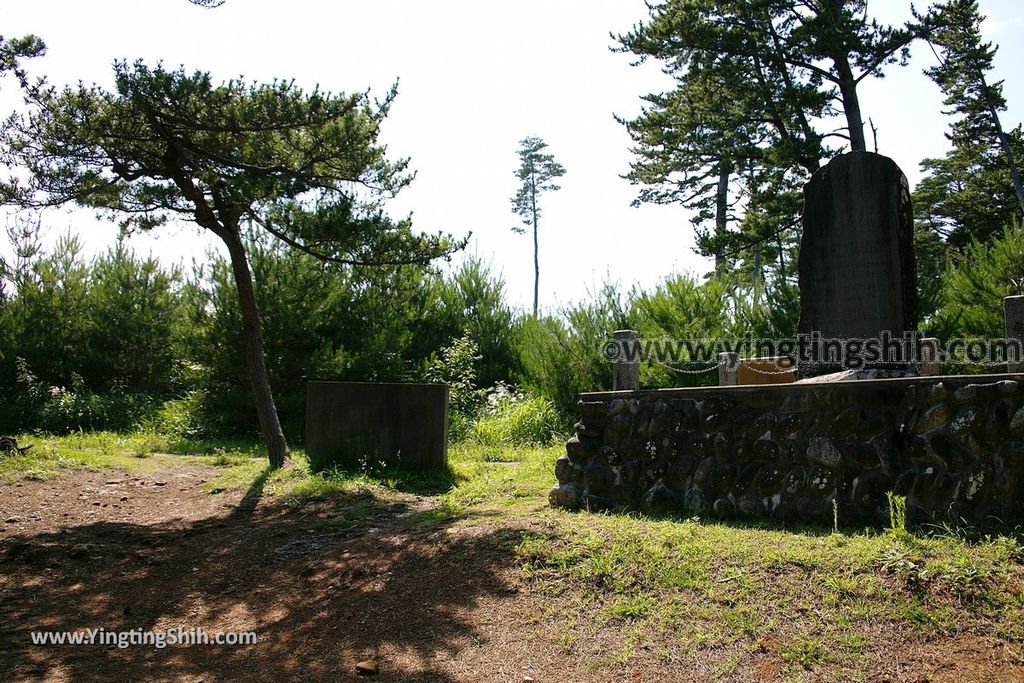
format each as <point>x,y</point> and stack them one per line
<point>474,79</point>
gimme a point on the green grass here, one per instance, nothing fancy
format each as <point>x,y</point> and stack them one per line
<point>817,600</point>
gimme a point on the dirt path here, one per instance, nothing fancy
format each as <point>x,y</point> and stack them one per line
<point>123,551</point>
<point>154,551</point>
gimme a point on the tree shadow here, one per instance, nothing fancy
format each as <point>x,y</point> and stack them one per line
<point>318,599</point>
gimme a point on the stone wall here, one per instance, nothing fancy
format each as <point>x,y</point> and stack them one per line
<point>953,446</point>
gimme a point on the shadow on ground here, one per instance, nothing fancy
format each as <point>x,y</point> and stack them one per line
<point>320,596</point>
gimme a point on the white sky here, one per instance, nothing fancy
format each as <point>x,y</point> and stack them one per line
<point>475,78</point>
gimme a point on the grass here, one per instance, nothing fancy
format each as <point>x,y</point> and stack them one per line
<point>819,602</point>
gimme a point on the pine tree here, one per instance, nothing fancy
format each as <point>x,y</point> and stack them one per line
<point>975,190</point>
<point>739,134</point>
<point>304,168</point>
<point>536,173</point>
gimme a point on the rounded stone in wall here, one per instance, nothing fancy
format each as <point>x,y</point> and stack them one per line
<point>945,487</point>
<point>723,508</point>
<point>868,490</point>
<point>771,478</point>
<point>1012,453</point>
<point>630,473</point>
<point>798,402</point>
<point>720,479</point>
<point>795,481</point>
<point>698,443</point>
<point>695,501</point>
<point>923,492</point>
<point>811,508</point>
<point>716,422</point>
<point>596,503</point>
<point>670,448</point>
<point>936,417</point>
<point>845,424</point>
<point>656,470</point>
<point>935,393</point>
<point>996,424</point>
<point>766,448</point>
<point>721,446</point>
<point>680,471</point>
<point>616,407</point>
<point>874,426</point>
<point>1017,424</point>
<point>659,498</point>
<point>740,424</point>
<point>814,424</point>
<point>716,404</point>
<point>821,480</point>
<point>904,483</point>
<point>791,452</point>
<point>821,450</point>
<point>599,479</point>
<point>567,496</point>
<point>920,452</point>
<point>788,426</point>
<point>751,505</point>
<point>864,456</point>
<point>949,451</point>
<point>662,425</point>
<point>564,470</point>
<point>685,405</point>
<point>762,427</point>
<point>745,477</point>
<point>742,451</point>
<point>975,483</point>
<point>966,420</point>
<point>974,449</point>
<point>609,456</point>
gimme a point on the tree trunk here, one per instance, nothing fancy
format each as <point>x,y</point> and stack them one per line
<point>847,83</point>
<point>721,214</point>
<point>851,105</point>
<point>252,332</point>
<point>536,246</point>
<point>1004,142</point>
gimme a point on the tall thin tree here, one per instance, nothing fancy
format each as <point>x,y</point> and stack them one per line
<point>537,173</point>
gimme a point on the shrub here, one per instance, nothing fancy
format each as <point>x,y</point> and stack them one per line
<point>456,367</point>
<point>973,289</point>
<point>60,410</point>
<point>180,418</point>
<point>512,418</point>
<point>561,355</point>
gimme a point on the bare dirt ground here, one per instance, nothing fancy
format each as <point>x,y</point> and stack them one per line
<point>440,602</point>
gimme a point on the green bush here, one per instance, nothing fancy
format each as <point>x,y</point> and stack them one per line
<point>180,418</point>
<point>973,289</point>
<point>511,418</point>
<point>38,406</point>
<point>561,355</point>
<point>456,367</point>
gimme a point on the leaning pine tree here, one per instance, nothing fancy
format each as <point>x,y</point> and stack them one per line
<point>166,146</point>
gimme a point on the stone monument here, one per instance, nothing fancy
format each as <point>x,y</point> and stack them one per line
<point>856,270</point>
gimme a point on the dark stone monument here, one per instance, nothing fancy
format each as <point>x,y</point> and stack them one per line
<point>857,270</point>
<point>399,424</point>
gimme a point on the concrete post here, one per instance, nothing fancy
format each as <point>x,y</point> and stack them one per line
<point>1013,309</point>
<point>626,367</point>
<point>728,369</point>
<point>931,365</point>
